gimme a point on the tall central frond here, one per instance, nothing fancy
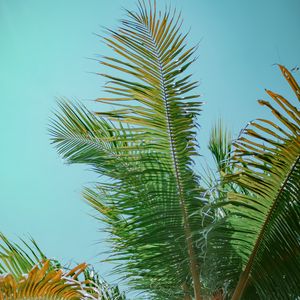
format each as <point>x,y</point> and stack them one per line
<point>149,205</point>
<point>166,109</point>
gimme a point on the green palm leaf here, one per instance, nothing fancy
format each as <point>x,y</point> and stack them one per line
<point>261,233</point>
<point>147,151</point>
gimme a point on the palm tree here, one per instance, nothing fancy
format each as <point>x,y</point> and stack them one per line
<point>171,237</point>
<point>174,236</point>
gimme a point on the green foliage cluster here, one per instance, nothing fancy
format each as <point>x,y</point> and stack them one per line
<point>175,235</point>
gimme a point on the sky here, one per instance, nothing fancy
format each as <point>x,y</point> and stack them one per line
<point>48,50</point>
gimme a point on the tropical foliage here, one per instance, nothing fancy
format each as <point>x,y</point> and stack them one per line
<point>167,239</point>
<point>26,273</point>
<point>234,234</point>
<point>260,235</point>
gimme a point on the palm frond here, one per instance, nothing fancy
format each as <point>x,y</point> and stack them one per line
<point>19,259</point>
<point>262,228</point>
<point>148,152</point>
<point>26,273</point>
<point>43,283</point>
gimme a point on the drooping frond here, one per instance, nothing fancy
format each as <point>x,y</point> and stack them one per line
<point>81,137</point>
<point>262,229</point>
<point>150,199</point>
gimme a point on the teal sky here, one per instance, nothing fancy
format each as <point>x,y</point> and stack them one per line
<point>44,51</point>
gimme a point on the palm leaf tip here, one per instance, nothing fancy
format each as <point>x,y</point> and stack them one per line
<point>220,145</point>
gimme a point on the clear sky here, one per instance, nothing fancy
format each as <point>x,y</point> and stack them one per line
<point>44,51</point>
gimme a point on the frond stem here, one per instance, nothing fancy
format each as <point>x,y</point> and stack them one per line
<point>187,230</point>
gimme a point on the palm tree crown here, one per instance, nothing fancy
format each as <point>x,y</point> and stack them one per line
<point>169,242</point>
<point>174,235</point>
